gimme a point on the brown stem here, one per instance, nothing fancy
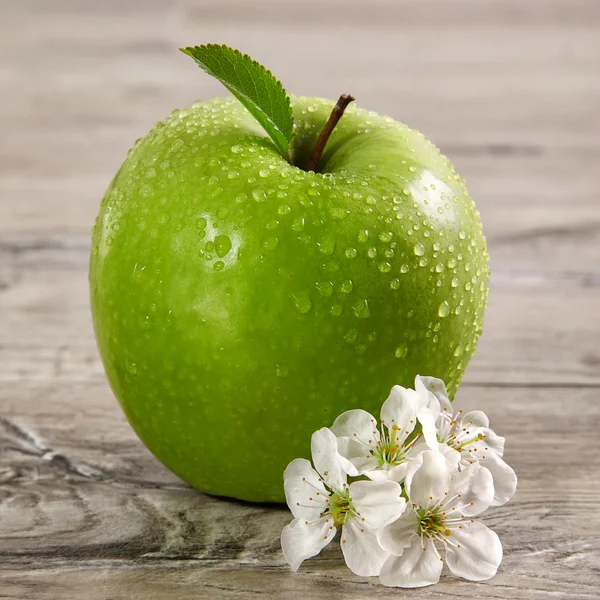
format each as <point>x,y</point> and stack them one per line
<point>334,117</point>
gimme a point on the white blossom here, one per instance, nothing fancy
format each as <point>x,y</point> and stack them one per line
<point>386,451</point>
<point>321,500</point>
<point>466,438</point>
<point>438,526</point>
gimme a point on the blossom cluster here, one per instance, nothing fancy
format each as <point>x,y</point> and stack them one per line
<point>404,492</point>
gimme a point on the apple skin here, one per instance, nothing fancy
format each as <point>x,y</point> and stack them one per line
<point>240,303</point>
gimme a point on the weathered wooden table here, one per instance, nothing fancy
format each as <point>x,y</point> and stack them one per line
<point>510,90</point>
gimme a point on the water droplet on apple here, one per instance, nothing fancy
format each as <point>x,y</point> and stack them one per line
<point>350,253</point>
<point>444,309</point>
<point>271,243</point>
<point>264,172</point>
<point>146,191</point>
<point>338,213</point>
<point>298,224</point>
<point>139,271</point>
<point>336,309</point>
<point>259,195</point>
<point>423,262</point>
<point>458,350</point>
<point>325,288</point>
<point>326,246</point>
<point>301,301</point>
<point>222,245</point>
<point>237,149</point>
<point>386,236</point>
<point>361,309</point>
<point>351,335</point>
<point>404,268</point>
<point>131,367</point>
<point>223,212</point>
<point>284,209</point>
<point>281,370</point>
<point>372,252</point>
<point>462,235</point>
<point>219,265</point>
<point>346,286</point>
<point>331,266</point>
<point>419,249</point>
<point>395,284</point>
<point>401,350</point>
<point>455,282</point>
<point>363,236</point>
<point>384,267</point>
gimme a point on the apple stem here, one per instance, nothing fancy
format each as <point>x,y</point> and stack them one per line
<point>334,117</point>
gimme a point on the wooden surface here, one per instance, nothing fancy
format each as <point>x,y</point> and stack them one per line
<point>510,90</point>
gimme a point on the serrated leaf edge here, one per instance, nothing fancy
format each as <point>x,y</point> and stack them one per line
<point>188,50</point>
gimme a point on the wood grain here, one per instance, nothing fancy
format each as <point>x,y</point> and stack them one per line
<point>509,90</point>
<point>82,492</point>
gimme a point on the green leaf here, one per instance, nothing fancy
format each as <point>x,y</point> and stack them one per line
<point>252,85</point>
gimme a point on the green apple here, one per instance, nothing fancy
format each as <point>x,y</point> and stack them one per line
<point>241,302</point>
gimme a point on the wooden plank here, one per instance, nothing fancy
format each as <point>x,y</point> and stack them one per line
<point>509,90</point>
<point>534,222</point>
<point>84,501</point>
<point>527,93</point>
<point>538,330</point>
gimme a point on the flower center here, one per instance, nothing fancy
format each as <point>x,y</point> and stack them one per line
<point>340,507</point>
<point>432,522</point>
<point>389,451</point>
<point>460,441</point>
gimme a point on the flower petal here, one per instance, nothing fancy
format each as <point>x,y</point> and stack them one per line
<point>428,418</point>
<point>357,424</point>
<point>327,460</point>
<point>451,455</point>
<point>363,554</point>
<point>479,554</point>
<point>377,502</point>
<point>358,456</point>
<point>398,535</point>
<point>397,473</point>
<point>429,484</point>
<point>305,493</point>
<point>400,410</point>
<point>493,441</point>
<point>438,388</point>
<point>477,418</point>
<point>303,539</point>
<point>505,479</point>
<point>471,492</point>
<point>417,566</point>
